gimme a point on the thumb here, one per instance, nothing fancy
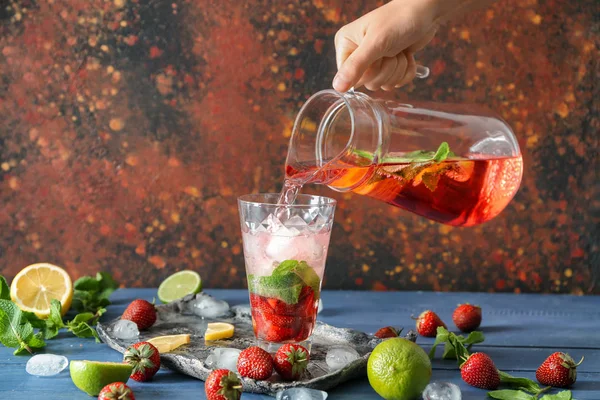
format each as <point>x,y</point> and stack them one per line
<point>357,63</point>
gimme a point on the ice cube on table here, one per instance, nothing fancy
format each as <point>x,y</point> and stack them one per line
<point>442,391</point>
<point>301,394</point>
<point>223,357</point>
<point>320,306</point>
<point>46,364</point>
<point>125,329</point>
<point>339,356</point>
<point>206,306</point>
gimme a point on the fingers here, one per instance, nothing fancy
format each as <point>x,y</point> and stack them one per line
<point>410,72</point>
<point>398,74</point>
<point>357,63</point>
<point>387,69</point>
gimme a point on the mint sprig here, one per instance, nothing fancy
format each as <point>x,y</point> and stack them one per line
<point>418,156</point>
<point>457,346</point>
<point>80,326</point>
<point>92,293</point>
<point>4,289</point>
<point>18,328</point>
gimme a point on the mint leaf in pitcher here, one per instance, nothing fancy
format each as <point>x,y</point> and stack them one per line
<point>417,156</point>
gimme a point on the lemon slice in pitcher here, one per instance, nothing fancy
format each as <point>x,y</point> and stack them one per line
<point>36,285</point>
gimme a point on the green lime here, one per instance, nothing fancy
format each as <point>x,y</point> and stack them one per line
<point>398,369</point>
<point>92,376</point>
<point>179,285</point>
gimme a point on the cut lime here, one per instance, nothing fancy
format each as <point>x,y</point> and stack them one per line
<point>92,376</point>
<point>179,285</point>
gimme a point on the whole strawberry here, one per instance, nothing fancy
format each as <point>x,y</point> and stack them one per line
<point>222,384</point>
<point>467,317</point>
<point>116,391</point>
<point>255,363</point>
<point>387,332</point>
<point>141,312</point>
<point>479,371</point>
<point>144,358</point>
<point>428,322</point>
<point>291,361</point>
<point>559,370</point>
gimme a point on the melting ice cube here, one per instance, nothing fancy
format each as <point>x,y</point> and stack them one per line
<point>125,329</point>
<point>301,394</point>
<point>339,356</point>
<point>442,391</point>
<point>46,364</point>
<point>282,246</point>
<point>206,306</point>
<point>223,357</point>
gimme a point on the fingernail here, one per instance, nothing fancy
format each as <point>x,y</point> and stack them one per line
<point>340,84</point>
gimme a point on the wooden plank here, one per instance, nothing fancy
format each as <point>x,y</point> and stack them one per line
<point>16,385</point>
<point>550,322</point>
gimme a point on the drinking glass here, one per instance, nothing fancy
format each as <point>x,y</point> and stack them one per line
<point>285,248</point>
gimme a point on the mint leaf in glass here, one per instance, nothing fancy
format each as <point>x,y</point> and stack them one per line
<point>286,281</point>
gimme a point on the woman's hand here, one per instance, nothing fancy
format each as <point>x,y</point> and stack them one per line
<point>376,50</point>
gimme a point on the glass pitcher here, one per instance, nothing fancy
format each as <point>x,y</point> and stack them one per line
<point>455,164</point>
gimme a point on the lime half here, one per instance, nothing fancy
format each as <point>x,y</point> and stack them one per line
<point>398,369</point>
<point>92,376</point>
<point>179,285</point>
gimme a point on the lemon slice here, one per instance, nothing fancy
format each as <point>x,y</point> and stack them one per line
<point>218,330</point>
<point>36,285</point>
<point>165,344</point>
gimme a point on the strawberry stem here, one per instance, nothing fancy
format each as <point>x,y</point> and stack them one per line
<point>580,361</point>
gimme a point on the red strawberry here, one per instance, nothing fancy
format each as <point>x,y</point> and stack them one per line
<point>291,361</point>
<point>467,317</point>
<point>559,370</point>
<point>427,323</point>
<point>141,312</point>
<point>255,363</point>
<point>306,329</point>
<point>479,371</point>
<point>222,384</point>
<point>144,358</point>
<point>386,332</point>
<point>116,391</point>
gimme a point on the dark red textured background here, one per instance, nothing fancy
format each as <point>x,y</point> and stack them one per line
<point>128,129</point>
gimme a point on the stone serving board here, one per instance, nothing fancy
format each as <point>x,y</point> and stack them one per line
<point>189,359</point>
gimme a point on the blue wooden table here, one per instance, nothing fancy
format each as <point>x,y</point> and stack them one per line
<point>521,331</point>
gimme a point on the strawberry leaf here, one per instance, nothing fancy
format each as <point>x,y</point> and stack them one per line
<point>564,395</point>
<point>4,289</point>
<point>507,394</point>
